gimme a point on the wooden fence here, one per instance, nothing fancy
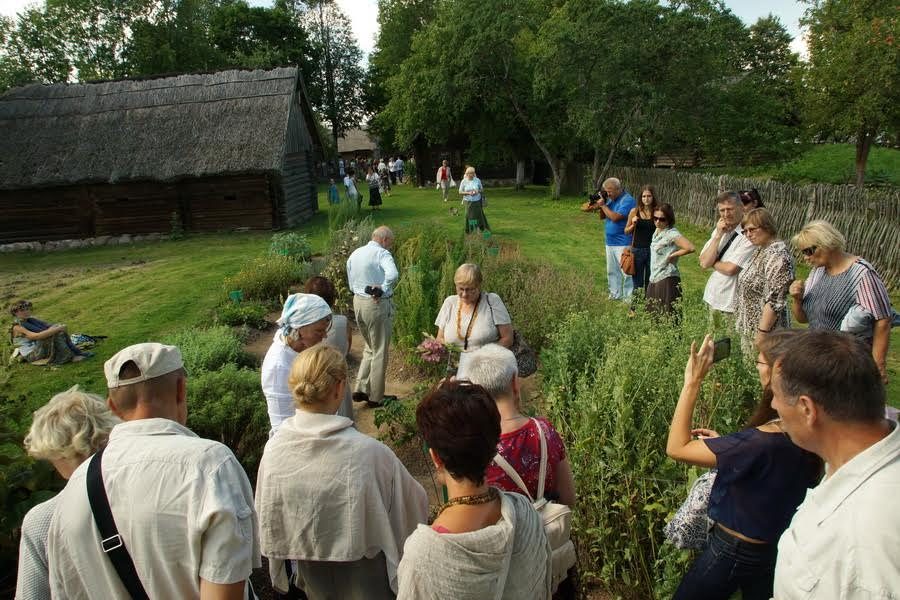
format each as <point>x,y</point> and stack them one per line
<point>870,219</point>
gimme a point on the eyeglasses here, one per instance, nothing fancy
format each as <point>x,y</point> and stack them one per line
<point>750,229</point>
<point>661,219</point>
<point>809,251</point>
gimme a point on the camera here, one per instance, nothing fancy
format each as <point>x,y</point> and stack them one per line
<point>375,292</point>
<point>597,196</point>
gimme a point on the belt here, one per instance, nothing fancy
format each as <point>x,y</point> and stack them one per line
<point>368,297</point>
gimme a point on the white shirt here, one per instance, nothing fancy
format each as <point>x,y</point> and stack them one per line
<point>721,289</point>
<point>844,540</point>
<point>182,505</point>
<point>276,368</point>
<point>327,492</point>
<point>33,576</point>
<point>371,265</point>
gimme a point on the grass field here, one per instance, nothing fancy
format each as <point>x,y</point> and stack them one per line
<point>146,291</point>
<point>828,163</point>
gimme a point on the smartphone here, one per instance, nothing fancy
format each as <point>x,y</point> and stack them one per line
<point>721,349</point>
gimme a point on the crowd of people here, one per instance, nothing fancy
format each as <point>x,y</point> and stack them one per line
<point>800,503</point>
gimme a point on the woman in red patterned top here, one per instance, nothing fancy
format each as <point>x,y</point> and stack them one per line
<point>494,368</point>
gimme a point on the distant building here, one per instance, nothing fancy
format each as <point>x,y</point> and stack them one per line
<point>218,150</point>
<point>357,143</point>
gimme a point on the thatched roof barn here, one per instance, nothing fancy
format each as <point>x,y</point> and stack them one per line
<point>220,150</point>
<point>356,142</point>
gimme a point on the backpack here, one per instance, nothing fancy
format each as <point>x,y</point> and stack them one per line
<point>557,518</point>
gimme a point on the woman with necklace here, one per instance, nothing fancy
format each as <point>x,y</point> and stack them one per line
<point>484,543</point>
<point>335,500</point>
<point>762,478</point>
<point>843,292</point>
<point>472,318</point>
<point>761,299</point>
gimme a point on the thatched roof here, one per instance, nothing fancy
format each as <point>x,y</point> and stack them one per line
<point>156,129</point>
<point>356,140</point>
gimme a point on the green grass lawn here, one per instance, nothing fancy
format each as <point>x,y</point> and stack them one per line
<point>827,163</point>
<point>146,291</point>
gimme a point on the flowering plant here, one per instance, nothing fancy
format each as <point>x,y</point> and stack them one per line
<point>433,351</point>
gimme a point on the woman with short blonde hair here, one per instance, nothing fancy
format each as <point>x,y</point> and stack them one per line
<point>843,292</point>
<point>472,192</point>
<point>335,500</point>
<point>72,426</point>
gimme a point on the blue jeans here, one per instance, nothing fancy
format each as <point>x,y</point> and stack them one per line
<point>726,565</point>
<point>641,275</point>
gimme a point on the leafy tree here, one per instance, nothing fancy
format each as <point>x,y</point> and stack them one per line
<point>336,87</point>
<point>851,82</point>
<point>259,37</point>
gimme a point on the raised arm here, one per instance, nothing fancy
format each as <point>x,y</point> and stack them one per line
<point>632,220</point>
<point>679,445</point>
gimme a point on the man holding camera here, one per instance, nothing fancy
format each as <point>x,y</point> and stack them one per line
<point>371,273</point>
<point>614,203</point>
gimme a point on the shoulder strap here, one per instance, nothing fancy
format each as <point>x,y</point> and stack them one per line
<point>542,476</point>
<point>111,544</point>
<point>512,473</point>
<point>727,245</point>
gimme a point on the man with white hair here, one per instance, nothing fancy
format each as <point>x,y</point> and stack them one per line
<point>614,205</point>
<point>160,512</point>
<point>371,273</point>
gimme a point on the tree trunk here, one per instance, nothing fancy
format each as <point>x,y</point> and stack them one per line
<point>520,175</point>
<point>595,170</point>
<point>617,141</point>
<point>863,145</point>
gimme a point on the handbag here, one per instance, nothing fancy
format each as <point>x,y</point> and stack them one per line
<point>557,518</point>
<point>526,358</point>
<point>690,525</point>
<point>626,261</point>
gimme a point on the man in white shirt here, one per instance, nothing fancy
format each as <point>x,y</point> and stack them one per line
<point>371,273</point>
<point>182,505</point>
<point>844,540</point>
<point>726,252</point>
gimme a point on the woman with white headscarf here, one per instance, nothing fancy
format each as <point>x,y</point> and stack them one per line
<point>304,322</point>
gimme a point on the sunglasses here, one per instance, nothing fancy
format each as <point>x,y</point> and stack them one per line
<point>660,219</point>
<point>809,251</point>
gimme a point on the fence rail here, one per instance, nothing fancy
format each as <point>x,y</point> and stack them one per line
<point>870,219</point>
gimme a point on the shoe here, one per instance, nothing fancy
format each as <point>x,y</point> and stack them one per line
<point>384,400</point>
<point>360,397</point>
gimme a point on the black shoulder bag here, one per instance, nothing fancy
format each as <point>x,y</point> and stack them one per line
<point>111,543</point>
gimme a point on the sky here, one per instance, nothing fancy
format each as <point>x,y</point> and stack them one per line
<point>363,16</point>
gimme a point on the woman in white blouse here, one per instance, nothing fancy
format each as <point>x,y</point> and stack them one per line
<point>472,318</point>
<point>336,500</point>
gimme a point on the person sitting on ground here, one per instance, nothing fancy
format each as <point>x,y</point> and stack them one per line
<point>494,368</point>
<point>484,543</point>
<point>339,336</point>
<point>182,505</point>
<point>762,478</point>
<point>72,426</point>
<point>334,499</point>
<point>304,322</point>
<point>39,342</point>
<point>843,539</point>
<point>472,318</point>
<point>843,291</point>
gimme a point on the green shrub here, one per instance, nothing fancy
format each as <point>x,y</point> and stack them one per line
<point>294,245</point>
<point>250,314</point>
<point>342,243</point>
<point>267,278</point>
<point>210,349</point>
<point>610,385</point>
<point>343,212</point>
<point>228,406</point>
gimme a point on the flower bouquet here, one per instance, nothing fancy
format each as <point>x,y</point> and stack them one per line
<point>433,351</point>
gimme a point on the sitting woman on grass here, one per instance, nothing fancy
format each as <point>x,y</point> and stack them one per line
<point>39,342</point>
<point>762,478</point>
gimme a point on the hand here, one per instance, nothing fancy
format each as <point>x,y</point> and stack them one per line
<point>704,433</point>
<point>699,362</point>
<point>672,259</point>
<point>635,219</point>
<point>796,289</point>
<point>723,227</point>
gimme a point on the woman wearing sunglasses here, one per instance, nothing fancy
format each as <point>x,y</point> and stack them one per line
<point>666,247</point>
<point>843,292</point>
<point>761,301</point>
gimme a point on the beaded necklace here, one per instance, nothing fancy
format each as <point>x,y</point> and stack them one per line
<point>473,499</point>
<point>459,333</point>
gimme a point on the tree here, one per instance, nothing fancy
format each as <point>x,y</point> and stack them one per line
<point>336,88</point>
<point>851,82</point>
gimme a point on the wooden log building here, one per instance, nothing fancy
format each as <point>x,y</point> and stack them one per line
<point>217,151</point>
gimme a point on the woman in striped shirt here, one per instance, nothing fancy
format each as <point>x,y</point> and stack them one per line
<point>842,292</point>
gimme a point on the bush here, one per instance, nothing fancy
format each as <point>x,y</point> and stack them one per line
<point>611,385</point>
<point>267,278</point>
<point>342,213</point>
<point>293,245</point>
<point>211,349</point>
<point>228,406</point>
<point>249,314</point>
